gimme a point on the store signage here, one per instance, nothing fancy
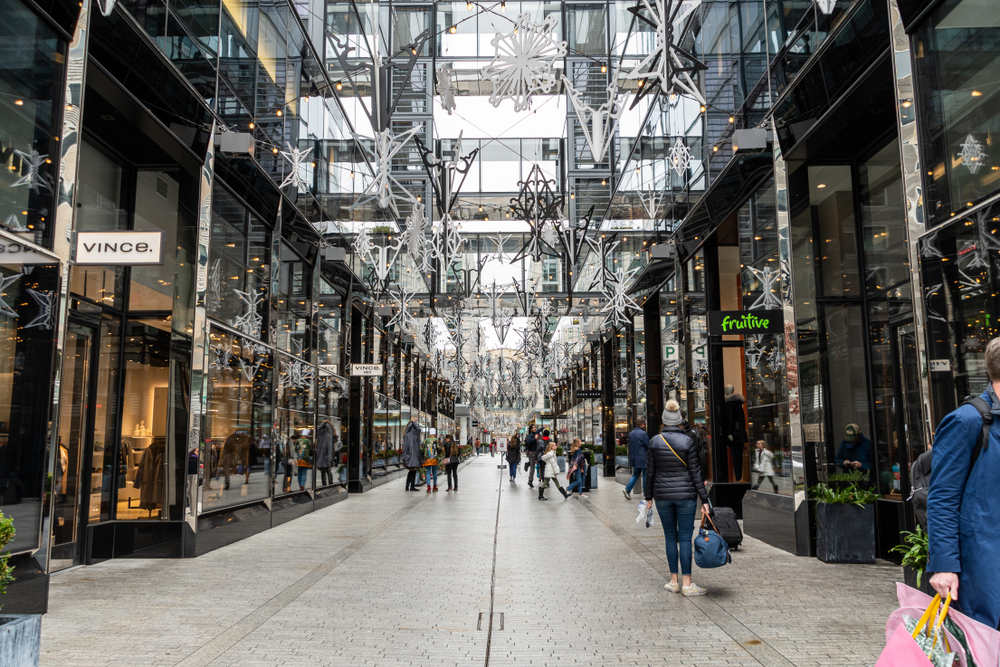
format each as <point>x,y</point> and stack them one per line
<point>740,323</point>
<point>14,252</point>
<point>585,394</point>
<point>366,370</point>
<point>620,393</point>
<point>940,365</point>
<point>813,432</point>
<point>119,248</point>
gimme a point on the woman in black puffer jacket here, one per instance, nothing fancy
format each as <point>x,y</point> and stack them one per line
<point>673,480</point>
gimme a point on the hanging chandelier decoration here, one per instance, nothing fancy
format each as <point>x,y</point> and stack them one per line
<point>523,61</point>
<point>664,68</point>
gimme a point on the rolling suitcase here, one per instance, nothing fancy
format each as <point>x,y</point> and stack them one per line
<point>728,527</point>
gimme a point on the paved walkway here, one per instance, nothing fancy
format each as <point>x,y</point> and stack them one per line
<point>393,578</point>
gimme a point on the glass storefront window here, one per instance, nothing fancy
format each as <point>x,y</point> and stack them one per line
<point>295,435</point>
<point>333,407</point>
<point>237,427</point>
<point>238,266</point>
<point>958,102</point>
<point>294,303</point>
<point>883,219</point>
<point>109,462</point>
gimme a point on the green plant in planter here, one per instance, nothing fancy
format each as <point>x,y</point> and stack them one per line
<point>559,451</point>
<point>851,476</point>
<point>6,535</point>
<point>914,549</point>
<point>851,495</point>
<point>621,451</point>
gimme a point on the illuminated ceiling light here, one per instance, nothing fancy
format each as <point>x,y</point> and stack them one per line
<point>976,93</point>
<point>251,126</point>
<point>468,6</point>
<point>352,173</point>
<point>604,68</point>
<point>715,149</point>
<point>453,29</point>
<point>820,186</point>
<point>275,150</point>
<point>503,6</point>
<point>907,104</point>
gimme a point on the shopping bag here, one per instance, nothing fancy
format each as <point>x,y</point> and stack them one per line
<point>981,641</point>
<point>710,550</point>
<point>902,650</point>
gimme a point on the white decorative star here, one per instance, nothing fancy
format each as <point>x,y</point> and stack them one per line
<point>619,302</point>
<point>297,158</point>
<point>663,66</point>
<point>387,146</point>
<point>5,308</point>
<point>445,87</point>
<point>768,300</point>
<point>403,319</point>
<point>250,322</point>
<point>972,154</point>
<point>523,61</point>
<point>598,126</point>
<point>826,6</point>
<point>651,202</point>
<point>33,177</point>
<point>45,319</point>
<point>679,156</point>
<point>15,225</point>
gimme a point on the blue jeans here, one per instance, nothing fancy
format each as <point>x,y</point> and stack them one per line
<point>677,519</point>
<point>302,475</point>
<point>431,470</point>
<point>513,470</point>
<point>635,478</point>
<point>577,482</point>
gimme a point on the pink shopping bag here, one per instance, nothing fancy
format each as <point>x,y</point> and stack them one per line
<point>902,650</point>
<point>984,641</point>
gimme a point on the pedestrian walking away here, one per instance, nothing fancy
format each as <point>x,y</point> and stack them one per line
<point>638,444</point>
<point>577,468</point>
<point>963,505</point>
<point>513,460</point>
<point>454,456</point>
<point>431,452</point>
<point>551,467</point>
<point>762,465</point>
<point>674,482</point>
<point>412,460</point>
<point>531,450</point>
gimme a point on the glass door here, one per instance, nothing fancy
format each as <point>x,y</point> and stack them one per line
<point>75,414</point>
<point>909,390</point>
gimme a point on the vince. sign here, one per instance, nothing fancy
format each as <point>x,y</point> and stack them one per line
<point>119,248</point>
<point>737,322</point>
<point>366,370</point>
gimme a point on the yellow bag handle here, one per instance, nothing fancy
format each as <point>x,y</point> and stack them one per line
<point>932,613</point>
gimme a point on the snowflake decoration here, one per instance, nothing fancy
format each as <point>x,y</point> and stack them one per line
<point>538,204</point>
<point>929,247</point>
<point>972,154</point>
<point>776,358</point>
<point>445,87</point>
<point>387,146</point>
<point>699,375</point>
<point>363,245</point>
<point>663,66</point>
<point>929,294</point>
<point>221,356</point>
<point>15,225</point>
<point>826,6</point>
<point>753,351</point>
<point>768,300</point>
<point>447,241</point>
<point>250,322</point>
<point>34,177</point>
<point>444,174</point>
<point>249,367</point>
<point>296,374</point>
<point>403,319</point>
<point>651,200</point>
<point>499,254</point>
<point>619,302</point>
<point>679,157</point>
<point>598,126</point>
<point>5,308</point>
<point>523,61</point>
<point>602,248</point>
<point>298,158</point>
<point>46,317</point>
<point>213,295</point>
<point>984,244</point>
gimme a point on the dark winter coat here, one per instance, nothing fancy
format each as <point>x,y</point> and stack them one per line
<point>531,443</point>
<point>324,445</point>
<point>411,446</point>
<point>734,420</point>
<point>667,476</point>
<point>638,443</point>
<point>513,454</point>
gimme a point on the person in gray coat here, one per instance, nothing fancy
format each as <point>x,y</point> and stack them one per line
<point>325,439</point>
<point>411,454</point>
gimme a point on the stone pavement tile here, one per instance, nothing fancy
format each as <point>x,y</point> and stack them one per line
<point>391,578</point>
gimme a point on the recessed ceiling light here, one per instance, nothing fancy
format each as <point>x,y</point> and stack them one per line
<point>820,186</point>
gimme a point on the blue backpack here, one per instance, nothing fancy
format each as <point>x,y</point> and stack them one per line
<point>710,550</point>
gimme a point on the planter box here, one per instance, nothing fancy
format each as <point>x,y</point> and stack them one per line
<point>393,460</point>
<point>910,579</point>
<point>598,458</point>
<point>845,533</point>
<point>561,460</point>
<point>594,474</point>
<point>20,640</point>
<point>621,462</point>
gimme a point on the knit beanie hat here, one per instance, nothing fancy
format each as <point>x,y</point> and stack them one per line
<point>671,414</point>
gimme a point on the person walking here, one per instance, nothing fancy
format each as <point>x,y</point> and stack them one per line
<point>477,446</point>
<point>412,460</point>
<point>962,502</point>
<point>453,456</point>
<point>431,452</point>
<point>674,482</point>
<point>493,447</point>
<point>531,449</point>
<point>551,464</point>
<point>577,467</point>
<point>513,460</point>
<point>638,444</point>
<point>763,465</point>
<point>325,439</point>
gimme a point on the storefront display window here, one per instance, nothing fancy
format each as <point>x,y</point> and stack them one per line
<point>294,303</point>
<point>295,436</point>
<point>333,408</point>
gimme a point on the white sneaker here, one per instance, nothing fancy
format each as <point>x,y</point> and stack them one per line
<point>694,590</point>
<point>673,587</point>
<point>582,495</point>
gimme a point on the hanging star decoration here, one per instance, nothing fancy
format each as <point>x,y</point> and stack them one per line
<point>619,303</point>
<point>33,176</point>
<point>603,249</point>
<point>15,225</point>
<point>403,319</point>
<point>679,156</point>
<point>573,238</point>
<point>972,154</point>
<point>363,243</point>
<point>249,323</point>
<point>976,252</point>
<point>445,87</point>
<point>295,374</point>
<point>444,174</point>
<point>523,61</point>
<point>768,300</point>
<point>500,255</point>
<point>387,146</point>
<point>414,237</point>
<point>753,351</point>
<point>501,317</point>
<point>298,160</point>
<point>826,6</point>
<point>213,295</point>
<point>250,367</point>
<point>597,125</point>
<point>663,68</point>
<point>6,282</point>
<point>776,358</point>
<point>45,319</point>
<point>447,242</point>
<point>539,205</point>
<point>651,200</point>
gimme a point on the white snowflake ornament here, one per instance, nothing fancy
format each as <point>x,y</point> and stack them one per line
<point>523,61</point>
<point>972,154</point>
<point>679,156</point>
<point>445,87</point>
<point>297,158</point>
<point>597,125</point>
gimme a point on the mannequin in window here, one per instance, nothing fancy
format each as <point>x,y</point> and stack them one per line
<point>734,429</point>
<point>149,475</point>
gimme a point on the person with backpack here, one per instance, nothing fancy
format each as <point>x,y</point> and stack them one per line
<point>963,504</point>
<point>513,459</point>
<point>531,449</point>
<point>674,482</point>
<point>638,443</point>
